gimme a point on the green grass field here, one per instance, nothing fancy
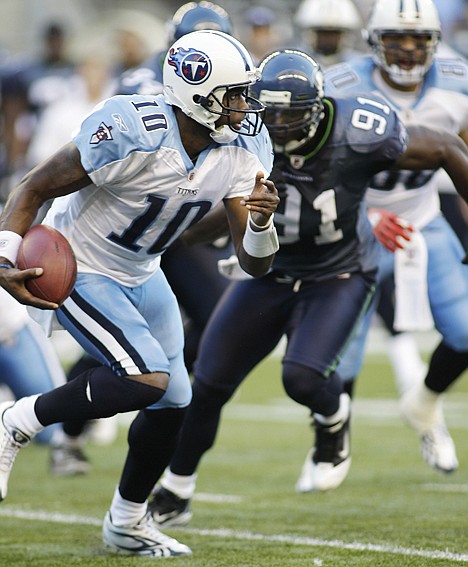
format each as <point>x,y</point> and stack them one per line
<point>392,510</point>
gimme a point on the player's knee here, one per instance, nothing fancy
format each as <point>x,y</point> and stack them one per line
<point>206,396</point>
<point>301,383</point>
<point>112,394</point>
<point>457,341</point>
<point>155,379</point>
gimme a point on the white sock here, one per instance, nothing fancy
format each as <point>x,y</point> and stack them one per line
<point>124,512</point>
<point>181,486</point>
<point>61,439</point>
<point>23,417</point>
<point>339,416</point>
<point>408,367</point>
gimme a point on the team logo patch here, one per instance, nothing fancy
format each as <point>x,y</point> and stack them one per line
<point>296,161</point>
<point>192,65</point>
<point>120,123</point>
<point>103,133</point>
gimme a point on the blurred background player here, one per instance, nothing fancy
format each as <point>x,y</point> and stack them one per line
<point>424,90</point>
<point>322,277</point>
<point>330,29</point>
<point>23,346</point>
<point>262,36</point>
<point>28,87</point>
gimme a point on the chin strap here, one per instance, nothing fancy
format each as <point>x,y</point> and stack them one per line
<point>224,135</point>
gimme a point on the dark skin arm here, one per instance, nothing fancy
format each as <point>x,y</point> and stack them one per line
<point>212,226</point>
<point>430,149</point>
<point>59,175</point>
<point>63,174</point>
<point>261,203</point>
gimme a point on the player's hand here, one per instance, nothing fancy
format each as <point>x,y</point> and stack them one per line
<point>14,281</point>
<point>263,200</point>
<point>390,230</point>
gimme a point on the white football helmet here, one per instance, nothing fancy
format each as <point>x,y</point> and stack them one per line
<point>403,17</point>
<point>341,15</point>
<point>199,70</point>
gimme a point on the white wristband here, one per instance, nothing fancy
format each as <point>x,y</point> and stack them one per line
<point>265,226</point>
<point>260,244</point>
<point>9,245</point>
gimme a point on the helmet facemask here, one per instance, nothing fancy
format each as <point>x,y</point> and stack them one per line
<point>415,19</point>
<point>291,125</point>
<point>291,88</point>
<point>392,58</point>
<point>217,104</point>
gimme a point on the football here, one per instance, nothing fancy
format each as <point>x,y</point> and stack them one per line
<point>45,247</point>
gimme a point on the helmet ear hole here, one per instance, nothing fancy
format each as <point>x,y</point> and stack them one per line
<point>202,100</point>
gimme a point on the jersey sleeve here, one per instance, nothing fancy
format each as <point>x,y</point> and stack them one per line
<point>371,127</point>
<point>115,139</point>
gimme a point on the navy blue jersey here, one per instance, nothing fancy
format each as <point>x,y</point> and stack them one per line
<point>321,220</point>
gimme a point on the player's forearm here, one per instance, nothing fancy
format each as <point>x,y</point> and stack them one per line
<point>456,165</point>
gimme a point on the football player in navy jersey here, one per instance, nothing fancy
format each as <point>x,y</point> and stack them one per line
<point>322,278</point>
<point>140,171</point>
<point>423,89</point>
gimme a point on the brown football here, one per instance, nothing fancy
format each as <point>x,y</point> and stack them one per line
<point>45,247</point>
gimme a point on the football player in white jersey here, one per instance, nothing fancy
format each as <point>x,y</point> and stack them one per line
<point>424,90</point>
<point>141,170</point>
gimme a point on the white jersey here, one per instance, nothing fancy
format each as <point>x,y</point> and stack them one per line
<point>146,191</point>
<point>441,102</point>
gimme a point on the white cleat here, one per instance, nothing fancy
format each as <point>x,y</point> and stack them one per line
<point>422,409</point>
<point>327,464</point>
<point>11,441</point>
<point>143,538</point>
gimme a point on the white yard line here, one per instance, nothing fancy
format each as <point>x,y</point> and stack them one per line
<point>42,516</point>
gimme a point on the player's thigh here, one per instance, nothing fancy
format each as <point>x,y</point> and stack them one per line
<point>133,330</point>
<point>245,327</point>
<point>104,317</point>
<point>352,357</point>
<point>323,320</point>
<point>447,284</point>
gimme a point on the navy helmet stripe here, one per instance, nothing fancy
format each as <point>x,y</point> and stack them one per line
<point>248,67</point>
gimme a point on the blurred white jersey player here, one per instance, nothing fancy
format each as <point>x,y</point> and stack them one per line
<point>424,90</point>
<point>330,29</point>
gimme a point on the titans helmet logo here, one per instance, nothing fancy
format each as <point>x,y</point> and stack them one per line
<point>190,64</point>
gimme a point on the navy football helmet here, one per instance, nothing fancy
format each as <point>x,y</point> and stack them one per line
<point>195,16</point>
<point>291,88</point>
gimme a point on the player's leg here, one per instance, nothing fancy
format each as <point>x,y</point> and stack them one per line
<point>30,349</point>
<point>403,351</point>
<point>246,326</point>
<point>192,273</point>
<point>448,295</point>
<point>67,456</point>
<point>105,322</point>
<point>322,322</point>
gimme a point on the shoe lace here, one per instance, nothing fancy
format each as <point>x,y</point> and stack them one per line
<point>150,530</point>
<point>8,452</point>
